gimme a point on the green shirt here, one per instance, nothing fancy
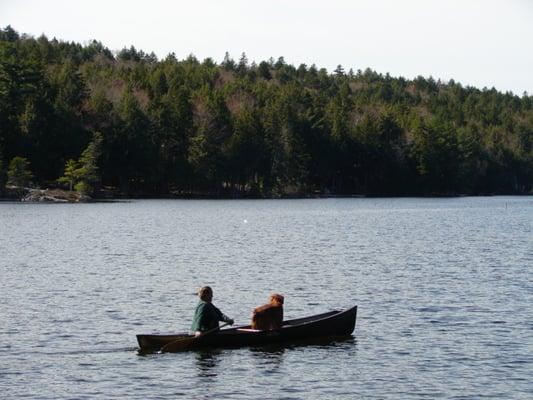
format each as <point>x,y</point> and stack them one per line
<point>206,317</point>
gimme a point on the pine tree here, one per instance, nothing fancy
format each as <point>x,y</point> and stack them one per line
<point>242,67</point>
<point>71,174</point>
<point>88,173</point>
<point>19,173</point>
<point>228,64</point>
<point>339,71</point>
<point>264,70</point>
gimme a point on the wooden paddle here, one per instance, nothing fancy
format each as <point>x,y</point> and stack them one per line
<point>184,343</point>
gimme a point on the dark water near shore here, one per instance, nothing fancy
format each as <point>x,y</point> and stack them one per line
<point>444,288</point>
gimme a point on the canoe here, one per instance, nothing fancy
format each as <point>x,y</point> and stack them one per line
<point>333,323</point>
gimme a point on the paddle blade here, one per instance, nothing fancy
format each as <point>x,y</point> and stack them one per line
<point>179,345</point>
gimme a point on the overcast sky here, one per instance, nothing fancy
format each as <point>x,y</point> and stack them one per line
<point>483,43</point>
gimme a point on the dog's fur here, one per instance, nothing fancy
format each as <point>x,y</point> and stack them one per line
<point>269,316</point>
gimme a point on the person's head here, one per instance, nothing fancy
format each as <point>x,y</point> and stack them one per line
<point>276,298</point>
<point>206,294</point>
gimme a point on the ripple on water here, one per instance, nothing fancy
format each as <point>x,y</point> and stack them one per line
<point>443,289</point>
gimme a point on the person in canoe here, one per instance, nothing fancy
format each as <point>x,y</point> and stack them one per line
<point>270,315</point>
<point>206,315</point>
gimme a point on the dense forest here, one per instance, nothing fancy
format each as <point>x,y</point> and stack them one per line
<point>128,123</point>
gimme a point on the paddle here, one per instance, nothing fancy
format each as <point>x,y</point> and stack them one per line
<point>184,343</point>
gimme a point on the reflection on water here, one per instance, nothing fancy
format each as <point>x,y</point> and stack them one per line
<point>270,357</point>
<point>207,363</point>
<point>320,342</point>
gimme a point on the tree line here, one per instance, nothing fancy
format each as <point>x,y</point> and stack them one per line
<point>84,117</point>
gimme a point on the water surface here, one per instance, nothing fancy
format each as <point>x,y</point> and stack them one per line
<point>444,288</point>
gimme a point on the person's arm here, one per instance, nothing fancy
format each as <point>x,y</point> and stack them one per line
<point>223,317</point>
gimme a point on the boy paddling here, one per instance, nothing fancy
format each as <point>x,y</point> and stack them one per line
<point>207,315</point>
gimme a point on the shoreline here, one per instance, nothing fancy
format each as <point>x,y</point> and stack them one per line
<point>125,199</point>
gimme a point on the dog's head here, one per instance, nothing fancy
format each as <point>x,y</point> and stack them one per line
<point>276,298</point>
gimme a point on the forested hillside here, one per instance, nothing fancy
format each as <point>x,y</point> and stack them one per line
<point>237,128</point>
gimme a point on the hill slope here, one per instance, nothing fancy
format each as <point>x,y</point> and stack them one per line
<point>267,129</point>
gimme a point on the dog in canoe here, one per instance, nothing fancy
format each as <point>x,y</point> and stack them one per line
<point>270,315</point>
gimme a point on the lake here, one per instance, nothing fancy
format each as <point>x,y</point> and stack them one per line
<point>444,288</point>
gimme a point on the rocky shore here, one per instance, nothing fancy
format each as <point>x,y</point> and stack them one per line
<point>54,196</point>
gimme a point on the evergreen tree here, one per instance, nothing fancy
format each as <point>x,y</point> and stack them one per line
<point>19,173</point>
<point>228,64</point>
<point>88,173</point>
<point>264,70</point>
<point>71,174</point>
<point>211,125</point>
<point>245,150</point>
<point>242,67</point>
<point>132,149</point>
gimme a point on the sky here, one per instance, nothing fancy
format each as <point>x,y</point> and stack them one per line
<point>481,43</point>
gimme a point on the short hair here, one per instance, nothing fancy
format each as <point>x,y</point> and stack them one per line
<point>204,292</point>
<point>276,298</point>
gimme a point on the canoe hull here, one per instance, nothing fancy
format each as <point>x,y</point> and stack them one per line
<point>333,323</point>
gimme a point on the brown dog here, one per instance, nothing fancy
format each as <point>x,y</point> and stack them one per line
<point>269,316</point>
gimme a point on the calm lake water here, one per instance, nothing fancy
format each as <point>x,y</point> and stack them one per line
<point>444,288</point>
